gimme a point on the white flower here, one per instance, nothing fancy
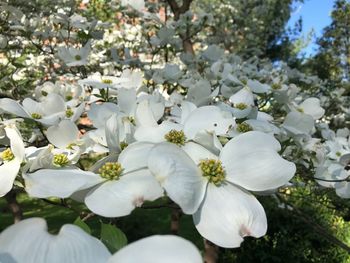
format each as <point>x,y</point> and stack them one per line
<point>11,158</point>
<point>49,111</point>
<point>118,185</point>
<point>214,188</point>
<point>75,56</point>
<point>192,120</point>
<point>311,106</point>
<point>30,242</point>
<point>158,249</point>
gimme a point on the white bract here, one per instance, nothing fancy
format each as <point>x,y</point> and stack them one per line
<point>11,158</point>
<point>214,188</point>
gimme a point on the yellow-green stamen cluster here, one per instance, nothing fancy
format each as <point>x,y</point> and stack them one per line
<point>60,160</point>
<point>300,110</point>
<point>69,113</point>
<point>241,106</point>
<point>69,97</point>
<point>244,127</point>
<point>111,171</point>
<point>213,171</point>
<point>77,57</point>
<point>36,115</point>
<point>7,155</point>
<point>123,145</point>
<point>177,137</point>
<point>107,81</point>
<point>276,86</point>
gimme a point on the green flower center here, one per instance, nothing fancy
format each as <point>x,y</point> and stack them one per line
<point>69,97</point>
<point>244,127</point>
<point>77,57</point>
<point>276,86</point>
<point>60,160</point>
<point>107,81</point>
<point>111,171</point>
<point>7,155</point>
<point>213,171</point>
<point>36,115</point>
<point>44,93</point>
<point>176,137</point>
<point>241,106</point>
<point>338,154</point>
<point>69,113</point>
<point>123,145</point>
<point>300,110</point>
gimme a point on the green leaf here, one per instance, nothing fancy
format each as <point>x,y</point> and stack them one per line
<point>80,223</point>
<point>112,237</point>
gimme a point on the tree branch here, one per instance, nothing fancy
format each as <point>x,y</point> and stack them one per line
<point>179,10</point>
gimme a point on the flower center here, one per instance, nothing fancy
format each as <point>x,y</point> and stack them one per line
<point>60,160</point>
<point>69,113</point>
<point>176,137</point>
<point>276,86</point>
<point>123,145</point>
<point>300,110</point>
<point>7,155</point>
<point>77,57</point>
<point>241,106</point>
<point>111,171</point>
<point>36,115</point>
<point>244,127</point>
<point>107,81</point>
<point>213,171</point>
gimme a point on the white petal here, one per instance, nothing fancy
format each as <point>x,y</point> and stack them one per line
<point>119,198</point>
<point>208,118</point>
<point>144,115</point>
<point>179,175</point>
<point>258,87</point>
<point>298,123</point>
<point>8,172</point>
<point>52,104</point>
<point>156,133</point>
<point>135,156</point>
<point>259,171</point>
<point>343,189</point>
<point>16,142</point>
<point>112,135</point>
<point>209,140</point>
<point>251,140</point>
<point>198,152</point>
<point>256,168</point>
<point>60,183</point>
<point>63,134</point>
<point>228,214</point>
<point>243,96</point>
<point>13,107</point>
<point>28,241</point>
<point>127,100</point>
<point>158,249</point>
<point>186,110</point>
<point>99,113</point>
<point>312,107</point>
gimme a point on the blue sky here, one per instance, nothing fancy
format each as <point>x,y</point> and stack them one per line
<point>315,15</point>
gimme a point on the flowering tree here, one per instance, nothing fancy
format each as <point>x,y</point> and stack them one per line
<point>114,110</point>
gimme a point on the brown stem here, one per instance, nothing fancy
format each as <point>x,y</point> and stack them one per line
<point>178,10</point>
<point>210,252</point>
<point>175,221</point>
<point>14,207</point>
